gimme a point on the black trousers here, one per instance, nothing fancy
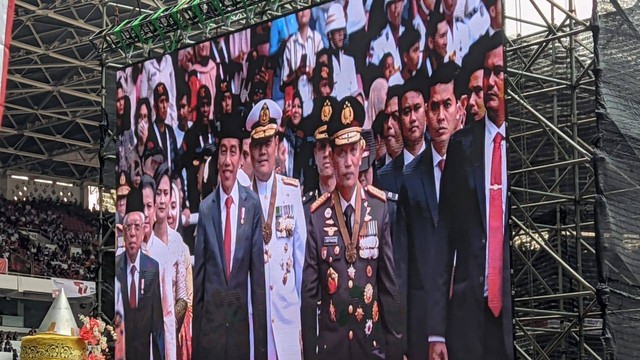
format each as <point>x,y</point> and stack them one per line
<point>494,344</point>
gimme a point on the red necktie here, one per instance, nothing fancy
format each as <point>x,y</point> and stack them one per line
<point>441,165</point>
<point>227,235</point>
<point>132,289</point>
<point>496,230</point>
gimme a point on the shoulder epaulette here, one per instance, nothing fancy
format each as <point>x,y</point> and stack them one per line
<point>376,192</point>
<point>391,196</point>
<point>321,200</point>
<point>290,181</point>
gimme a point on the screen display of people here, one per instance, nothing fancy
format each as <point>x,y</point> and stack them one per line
<point>331,184</point>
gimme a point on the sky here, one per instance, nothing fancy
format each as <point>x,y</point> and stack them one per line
<point>524,9</point>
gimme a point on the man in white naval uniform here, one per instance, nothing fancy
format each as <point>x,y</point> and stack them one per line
<point>477,18</point>
<point>284,233</point>
<point>345,81</point>
<point>387,42</point>
<point>458,37</point>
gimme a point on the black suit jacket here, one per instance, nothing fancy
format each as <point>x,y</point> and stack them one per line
<point>415,235</point>
<point>144,325</point>
<point>344,337</point>
<point>390,177</point>
<point>462,228</point>
<point>174,161</point>
<point>220,303</point>
<point>193,139</point>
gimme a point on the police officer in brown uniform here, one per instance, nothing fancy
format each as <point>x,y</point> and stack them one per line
<point>349,271</point>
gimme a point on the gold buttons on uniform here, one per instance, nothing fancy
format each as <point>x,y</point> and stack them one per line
<point>350,284</point>
<point>375,344</point>
<point>350,309</point>
<point>350,334</point>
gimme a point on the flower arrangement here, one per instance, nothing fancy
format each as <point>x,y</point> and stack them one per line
<point>94,333</point>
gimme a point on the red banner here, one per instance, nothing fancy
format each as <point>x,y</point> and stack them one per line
<point>6,24</point>
<point>4,266</point>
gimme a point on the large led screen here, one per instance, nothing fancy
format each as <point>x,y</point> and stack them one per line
<point>330,184</point>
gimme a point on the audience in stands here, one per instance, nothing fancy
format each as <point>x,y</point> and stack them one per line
<point>65,226</point>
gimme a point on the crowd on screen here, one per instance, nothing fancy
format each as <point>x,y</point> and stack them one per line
<point>55,259</point>
<point>168,109</point>
<point>416,68</point>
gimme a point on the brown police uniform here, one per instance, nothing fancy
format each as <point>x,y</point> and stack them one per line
<point>350,279</point>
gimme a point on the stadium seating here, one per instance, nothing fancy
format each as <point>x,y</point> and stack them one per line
<point>62,225</point>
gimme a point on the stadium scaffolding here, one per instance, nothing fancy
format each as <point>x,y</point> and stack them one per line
<point>551,110</point>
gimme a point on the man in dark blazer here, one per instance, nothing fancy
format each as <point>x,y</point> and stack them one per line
<point>417,217</point>
<point>138,275</point>
<point>470,313</point>
<point>161,135</point>
<point>229,258</point>
<point>349,274</point>
<point>412,129</point>
<point>196,137</point>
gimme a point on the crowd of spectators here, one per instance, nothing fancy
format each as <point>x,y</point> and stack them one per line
<point>66,226</point>
<point>5,342</point>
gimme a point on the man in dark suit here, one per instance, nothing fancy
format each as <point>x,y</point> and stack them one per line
<point>138,275</point>
<point>388,128</point>
<point>196,137</point>
<point>412,129</point>
<point>417,217</point>
<point>470,314</point>
<point>162,135</point>
<point>229,257</point>
<point>349,274</point>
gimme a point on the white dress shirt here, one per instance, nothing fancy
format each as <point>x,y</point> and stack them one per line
<point>385,43</point>
<point>264,192</point>
<point>235,195</point>
<point>437,173</point>
<point>490,132</point>
<point>243,178</point>
<point>458,41</point>
<point>387,158</point>
<point>295,48</point>
<point>408,157</point>
<point>136,276</point>
<point>356,17</point>
<point>345,81</point>
<point>157,250</point>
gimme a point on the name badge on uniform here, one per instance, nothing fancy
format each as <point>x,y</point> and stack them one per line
<point>285,221</point>
<point>369,240</point>
<point>330,240</point>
